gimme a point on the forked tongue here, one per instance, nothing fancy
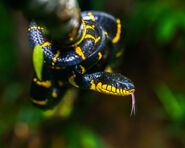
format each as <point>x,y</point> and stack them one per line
<point>133,105</point>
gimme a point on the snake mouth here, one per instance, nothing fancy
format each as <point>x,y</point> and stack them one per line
<point>133,104</point>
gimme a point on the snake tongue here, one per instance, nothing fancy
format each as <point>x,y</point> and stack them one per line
<point>133,104</point>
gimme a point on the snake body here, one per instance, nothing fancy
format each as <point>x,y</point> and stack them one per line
<point>86,64</point>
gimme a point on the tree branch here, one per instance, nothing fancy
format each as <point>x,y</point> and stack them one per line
<point>61,18</point>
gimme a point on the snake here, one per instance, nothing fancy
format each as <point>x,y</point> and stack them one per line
<point>89,63</point>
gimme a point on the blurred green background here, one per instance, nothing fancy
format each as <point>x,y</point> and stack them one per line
<point>154,59</point>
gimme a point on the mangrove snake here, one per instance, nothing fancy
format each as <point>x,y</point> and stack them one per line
<point>86,64</point>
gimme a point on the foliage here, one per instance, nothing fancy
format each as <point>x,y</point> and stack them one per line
<point>8,55</point>
<point>166,18</point>
<point>38,61</point>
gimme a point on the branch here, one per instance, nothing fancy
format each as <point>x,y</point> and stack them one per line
<point>61,18</point>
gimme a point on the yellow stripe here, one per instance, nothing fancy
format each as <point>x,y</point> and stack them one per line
<point>97,39</point>
<point>84,33</point>
<point>54,94</point>
<point>35,27</point>
<point>43,102</point>
<point>40,27</point>
<point>106,34</point>
<point>117,90</point>
<point>99,90</point>
<point>72,81</point>
<point>113,89</point>
<point>108,89</point>
<point>93,86</point>
<point>104,86</point>
<point>89,36</point>
<point>55,58</point>
<point>83,69</point>
<point>105,91</point>
<point>71,39</point>
<point>117,37</point>
<point>118,54</point>
<point>99,55</point>
<point>45,44</point>
<point>78,50</point>
<point>46,84</point>
<point>108,69</point>
<point>90,27</point>
<point>91,16</point>
<point>57,68</point>
<point>98,87</point>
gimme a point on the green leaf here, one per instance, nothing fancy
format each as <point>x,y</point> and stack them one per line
<point>38,60</point>
<point>170,102</point>
<point>83,137</point>
<point>181,18</point>
<point>167,27</point>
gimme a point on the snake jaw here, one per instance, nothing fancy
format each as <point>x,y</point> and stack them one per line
<point>133,104</point>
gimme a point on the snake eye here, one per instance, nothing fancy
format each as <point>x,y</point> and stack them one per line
<point>129,86</point>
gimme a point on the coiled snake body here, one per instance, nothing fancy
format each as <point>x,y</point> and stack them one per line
<point>86,64</point>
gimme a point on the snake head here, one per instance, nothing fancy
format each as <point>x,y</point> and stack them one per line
<point>123,83</point>
<point>117,84</point>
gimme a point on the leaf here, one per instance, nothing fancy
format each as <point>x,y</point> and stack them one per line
<point>83,137</point>
<point>166,28</point>
<point>38,61</point>
<point>170,102</point>
<point>181,18</point>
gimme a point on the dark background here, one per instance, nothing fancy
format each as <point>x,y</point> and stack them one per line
<point>154,59</point>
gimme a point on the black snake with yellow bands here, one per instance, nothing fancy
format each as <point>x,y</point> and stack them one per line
<point>86,64</point>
